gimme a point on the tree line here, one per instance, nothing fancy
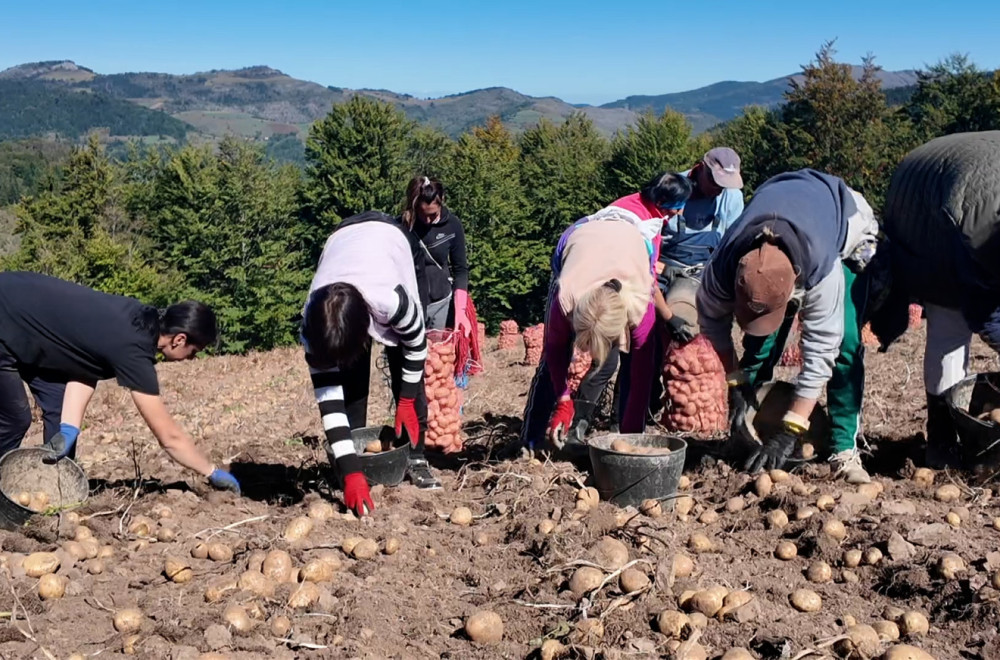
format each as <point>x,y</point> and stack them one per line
<point>228,225</point>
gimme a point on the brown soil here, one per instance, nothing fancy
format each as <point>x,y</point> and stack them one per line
<point>256,415</point>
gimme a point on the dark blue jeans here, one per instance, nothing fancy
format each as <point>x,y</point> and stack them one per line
<point>15,411</point>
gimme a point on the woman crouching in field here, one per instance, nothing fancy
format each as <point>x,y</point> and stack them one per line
<point>61,338</point>
<point>601,300</point>
<point>366,287</point>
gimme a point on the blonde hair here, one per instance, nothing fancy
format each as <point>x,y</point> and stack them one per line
<point>604,313</point>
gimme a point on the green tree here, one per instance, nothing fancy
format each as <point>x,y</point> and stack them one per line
<point>82,232</point>
<point>356,160</point>
<point>507,266</point>
<point>28,167</point>
<point>653,145</point>
<point>955,96</point>
<point>427,152</point>
<point>228,222</point>
<point>842,125</point>
<point>562,172</point>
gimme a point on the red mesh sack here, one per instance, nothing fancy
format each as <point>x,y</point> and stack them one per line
<point>792,355</point>
<point>509,336</point>
<point>534,339</point>
<point>695,395</point>
<point>444,398</point>
<point>579,366</point>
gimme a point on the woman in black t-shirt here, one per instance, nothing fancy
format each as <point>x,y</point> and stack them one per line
<point>442,243</point>
<point>62,338</point>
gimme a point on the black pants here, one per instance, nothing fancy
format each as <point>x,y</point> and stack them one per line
<point>357,387</point>
<point>623,381</point>
<point>542,399</point>
<point>15,411</point>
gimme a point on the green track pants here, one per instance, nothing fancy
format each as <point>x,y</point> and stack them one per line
<point>845,391</point>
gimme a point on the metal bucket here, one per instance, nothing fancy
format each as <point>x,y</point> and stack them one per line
<point>387,467</point>
<point>628,479</point>
<point>967,400</point>
<point>22,471</point>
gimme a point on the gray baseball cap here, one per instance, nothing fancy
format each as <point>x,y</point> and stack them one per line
<point>724,163</point>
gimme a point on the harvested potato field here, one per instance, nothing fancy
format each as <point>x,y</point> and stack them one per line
<point>514,558</point>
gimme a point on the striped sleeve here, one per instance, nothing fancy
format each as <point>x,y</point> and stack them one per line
<point>408,323</point>
<point>329,389</point>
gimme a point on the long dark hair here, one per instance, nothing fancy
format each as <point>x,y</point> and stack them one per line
<point>335,326</point>
<point>421,189</point>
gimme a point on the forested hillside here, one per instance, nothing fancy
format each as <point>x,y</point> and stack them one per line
<point>227,224</point>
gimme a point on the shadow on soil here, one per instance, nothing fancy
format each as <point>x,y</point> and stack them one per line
<point>891,457</point>
<point>283,485</point>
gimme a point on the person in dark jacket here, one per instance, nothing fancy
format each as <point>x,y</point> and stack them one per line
<point>801,247</point>
<point>942,219</point>
<point>442,243</point>
<point>62,338</point>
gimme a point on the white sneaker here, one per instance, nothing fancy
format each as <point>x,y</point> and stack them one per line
<point>847,465</point>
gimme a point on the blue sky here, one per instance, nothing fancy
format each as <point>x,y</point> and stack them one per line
<point>581,52</point>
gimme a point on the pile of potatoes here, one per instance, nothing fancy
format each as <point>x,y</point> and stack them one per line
<point>534,339</point>
<point>579,366</point>
<point>37,501</point>
<point>481,334</point>
<point>623,446</point>
<point>695,393</point>
<point>509,335</point>
<point>444,398</point>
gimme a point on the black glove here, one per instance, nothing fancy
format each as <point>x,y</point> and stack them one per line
<point>773,454</point>
<point>741,397</point>
<point>680,329</point>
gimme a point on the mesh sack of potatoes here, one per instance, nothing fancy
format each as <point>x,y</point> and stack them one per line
<point>695,391</point>
<point>444,398</point>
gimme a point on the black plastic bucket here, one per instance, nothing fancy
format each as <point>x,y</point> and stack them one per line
<point>387,467</point>
<point>628,479</point>
<point>967,400</point>
<point>22,471</point>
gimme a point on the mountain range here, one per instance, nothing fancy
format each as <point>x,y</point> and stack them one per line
<point>63,97</point>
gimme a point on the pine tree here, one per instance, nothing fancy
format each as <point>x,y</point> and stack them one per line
<point>356,161</point>
<point>507,264</point>
<point>653,145</point>
<point>562,171</point>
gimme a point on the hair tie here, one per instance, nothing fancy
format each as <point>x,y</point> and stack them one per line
<point>614,284</point>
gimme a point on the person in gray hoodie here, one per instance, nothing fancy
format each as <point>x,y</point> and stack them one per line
<point>800,248</point>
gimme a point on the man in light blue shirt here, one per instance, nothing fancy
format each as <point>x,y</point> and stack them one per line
<point>689,239</point>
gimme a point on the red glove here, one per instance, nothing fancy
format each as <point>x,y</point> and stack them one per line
<point>462,312</point>
<point>356,494</point>
<point>562,419</point>
<point>406,418</point>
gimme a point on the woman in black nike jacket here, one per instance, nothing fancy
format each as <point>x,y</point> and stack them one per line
<point>442,242</point>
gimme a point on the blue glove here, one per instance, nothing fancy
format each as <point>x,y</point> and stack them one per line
<point>62,443</point>
<point>222,480</point>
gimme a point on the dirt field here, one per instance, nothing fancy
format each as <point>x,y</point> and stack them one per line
<point>256,414</point>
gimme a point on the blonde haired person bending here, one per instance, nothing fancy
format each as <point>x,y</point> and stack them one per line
<point>601,301</point>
